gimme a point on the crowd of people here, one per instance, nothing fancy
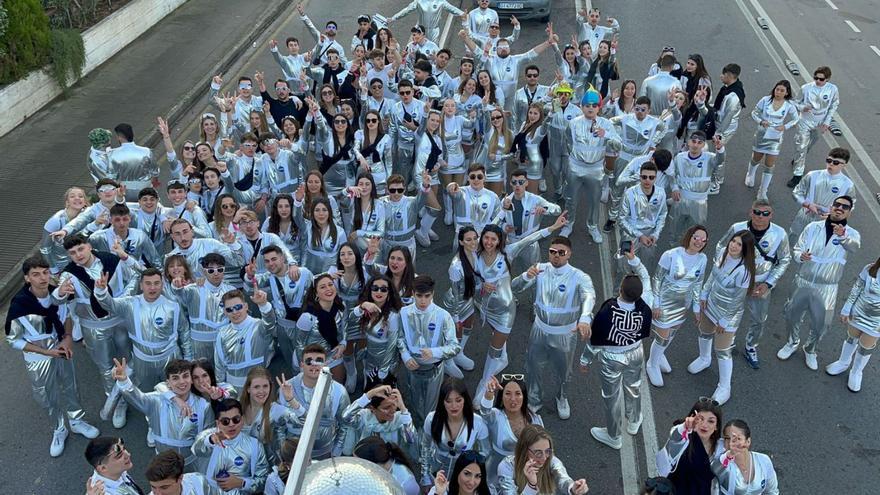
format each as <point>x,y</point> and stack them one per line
<point>289,230</point>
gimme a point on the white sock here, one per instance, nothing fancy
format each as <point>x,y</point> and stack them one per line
<point>766,177</point>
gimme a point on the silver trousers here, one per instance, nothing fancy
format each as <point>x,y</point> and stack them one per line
<point>53,384</point>
<point>758,310</point>
<point>806,137</point>
<point>422,390</point>
<point>809,301</point>
<point>146,374</point>
<point>104,344</point>
<point>203,350</point>
<point>621,374</point>
<point>616,190</point>
<point>591,185</point>
<point>684,214</point>
<point>549,357</point>
<point>404,162</point>
<point>556,163</point>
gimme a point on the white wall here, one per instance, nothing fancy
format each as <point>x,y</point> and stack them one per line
<point>23,98</point>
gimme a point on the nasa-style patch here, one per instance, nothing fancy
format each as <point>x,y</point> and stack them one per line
<point>432,326</point>
<point>398,215</point>
<point>568,117</point>
<point>238,461</point>
<point>561,287</point>
<point>835,189</point>
<point>291,284</point>
<point>697,273</point>
<point>484,206</point>
<point>159,321</point>
<point>194,418</point>
<point>765,244</point>
<point>836,242</point>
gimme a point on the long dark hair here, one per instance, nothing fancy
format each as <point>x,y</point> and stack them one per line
<point>307,200</point>
<point>208,366</point>
<point>392,303</point>
<point>331,224</point>
<point>748,254</point>
<point>492,228</point>
<point>275,217</point>
<point>409,274</point>
<point>577,64</point>
<point>311,304</point>
<point>699,73</point>
<point>524,409</point>
<point>441,418</point>
<point>358,262</point>
<point>380,132</point>
<point>470,283</point>
<point>709,406</point>
<point>357,221</point>
<point>785,84</point>
<point>493,90</point>
<point>464,460</point>
<point>620,101</point>
<point>374,449</point>
<point>872,269</point>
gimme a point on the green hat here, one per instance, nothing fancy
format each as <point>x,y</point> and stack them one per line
<point>99,138</point>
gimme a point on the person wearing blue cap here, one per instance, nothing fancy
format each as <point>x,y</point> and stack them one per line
<point>587,139</point>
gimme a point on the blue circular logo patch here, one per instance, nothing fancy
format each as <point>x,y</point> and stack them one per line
<point>646,131</point>
<point>697,273</point>
<point>398,215</point>
<point>568,117</point>
<point>432,326</point>
<point>835,189</point>
<point>194,418</point>
<point>238,461</point>
<point>507,69</point>
<point>561,287</point>
<point>159,321</point>
<point>380,333</point>
<point>484,206</point>
<point>241,342</point>
<point>836,242</point>
<point>765,244</point>
<point>291,284</point>
<point>500,264</point>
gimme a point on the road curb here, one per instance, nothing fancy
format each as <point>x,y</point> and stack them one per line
<point>11,282</point>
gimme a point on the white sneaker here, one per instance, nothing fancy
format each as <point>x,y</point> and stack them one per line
<point>811,361</point>
<point>433,235</point>
<point>698,365</point>
<point>664,364</point>
<point>654,375</point>
<point>151,440</point>
<point>595,234</point>
<point>80,427</point>
<point>566,231</point>
<point>721,395</point>
<point>633,428</point>
<point>762,194</point>
<point>786,351</point>
<point>422,239</point>
<point>562,408</point>
<point>464,362</point>
<point>58,439</point>
<point>542,186</point>
<point>452,370</point>
<point>119,418</point>
<point>601,434</point>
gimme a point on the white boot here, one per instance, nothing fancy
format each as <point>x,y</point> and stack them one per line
<point>750,174</point>
<point>725,371</point>
<point>846,357</point>
<point>447,209</point>
<point>766,177</point>
<point>652,368</point>
<point>705,358</point>
<point>461,360</point>
<point>665,367</point>
<point>855,374</point>
<point>492,366</point>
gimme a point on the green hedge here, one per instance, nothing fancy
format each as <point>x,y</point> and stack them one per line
<point>27,44</point>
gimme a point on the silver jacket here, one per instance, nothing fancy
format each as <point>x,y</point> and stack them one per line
<point>121,282</point>
<point>774,244</point>
<point>564,297</point>
<point>560,120</point>
<point>423,151</point>
<point>863,304</point>
<point>453,133</point>
<point>594,35</point>
<point>478,20</point>
<point>204,307</point>
<point>430,12</point>
<point>823,102</point>
<point>530,221</point>
<point>829,258</point>
<point>85,221</point>
<point>676,284</point>
<point>280,419</point>
<point>731,481</point>
<point>401,136</point>
<point>657,88</point>
<point>454,301</point>
<point>307,333</point>
<point>133,166</point>
<point>196,218</point>
<point>324,43</point>
<point>786,116</point>
<point>501,437</point>
<point>820,188</point>
<point>638,136</point>
<point>380,169</point>
<point>170,429</point>
<point>402,217</point>
<point>629,176</point>
<point>264,239</point>
<point>282,174</point>
<point>727,119</point>
<point>240,347</point>
<point>507,478</point>
<point>339,175</point>
<point>318,255</point>
<point>99,165</point>
<point>505,71</point>
<point>382,356</point>
<point>150,224</point>
<point>692,175</point>
<point>442,455</point>
<point>362,423</point>
<point>431,329</point>
<point>31,329</point>
<point>137,244</point>
<point>158,330</point>
<point>641,215</point>
<point>200,247</point>
<point>584,146</point>
<point>292,67</point>
<point>242,456</point>
<point>283,290</point>
<point>53,251</point>
<point>725,293</point>
<point>477,208</point>
<point>331,431</point>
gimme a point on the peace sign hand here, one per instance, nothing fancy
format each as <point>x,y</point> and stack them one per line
<point>101,283</point>
<point>120,373</point>
<point>287,390</point>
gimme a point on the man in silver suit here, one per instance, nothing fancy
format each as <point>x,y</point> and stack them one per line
<point>818,103</point>
<point>132,165</point>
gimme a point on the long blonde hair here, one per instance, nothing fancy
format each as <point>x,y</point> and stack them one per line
<point>493,141</point>
<point>529,436</point>
<point>245,399</point>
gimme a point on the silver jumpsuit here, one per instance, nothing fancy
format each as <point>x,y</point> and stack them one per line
<point>507,478</point>
<point>525,97</point>
<point>431,329</point>
<point>732,481</point>
<point>677,444</point>
<point>331,429</point>
<point>171,431</point>
<point>594,35</point>
<point>442,455</point>
<point>159,333</point>
<point>430,12</point>
<point>692,176</point>
<point>241,346</point>
<point>99,166</point>
<point>823,103</point>
<point>454,129</point>
<point>502,439</point>
<point>560,120</point>
<point>196,218</point>
<point>232,254</point>
<point>362,423</point>
<point>640,215</point>
<point>204,308</point>
<point>726,124</point>
<point>340,174</point>
<point>863,304</point>
<point>631,174</point>
<point>505,72</point>
<point>525,221</point>
<point>725,293</point>
<point>637,138</point>
<point>283,173</point>
<point>381,356</point>
<point>769,141</point>
<point>454,301</point>
<point>474,207</point>
<point>496,164</point>
<point>815,283</point>
<point>379,162</point>
<point>677,282</point>
<point>403,139</point>
<point>479,19</point>
<point>657,88</point>
<point>132,166</point>
<point>772,257</point>
<point>53,251</point>
<point>242,456</point>
<point>821,189</point>
<point>285,293</point>
<point>586,166</point>
<point>53,380</point>
<point>317,258</point>
<point>137,244</point>
<point>292,67</point>
<point>534,162</point>
<point>564,297</point>
<point>401,221</point>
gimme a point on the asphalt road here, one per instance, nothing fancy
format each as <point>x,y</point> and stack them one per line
<point>822,438</point>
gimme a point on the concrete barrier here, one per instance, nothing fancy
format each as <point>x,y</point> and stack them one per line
<point>103,40</point>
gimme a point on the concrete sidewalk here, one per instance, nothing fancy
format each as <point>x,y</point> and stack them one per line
<point>153,76</point>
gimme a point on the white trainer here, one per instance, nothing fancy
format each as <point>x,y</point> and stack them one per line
<point>58,439</point>
<point>80,427</point>
<point>786,351</point>
<point>601,434</point>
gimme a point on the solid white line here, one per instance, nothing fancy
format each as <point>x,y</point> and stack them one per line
<point>858,149</point>
<point>852,26</point>
<point>831,4</point>
<point>876,50</point>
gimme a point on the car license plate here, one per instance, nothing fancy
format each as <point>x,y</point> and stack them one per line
<point>510,5</point>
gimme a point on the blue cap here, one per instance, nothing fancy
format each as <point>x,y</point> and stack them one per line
<point>591,96</point>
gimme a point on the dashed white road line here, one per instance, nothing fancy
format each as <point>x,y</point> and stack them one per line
<point>831,4</point>
<point>852,26</point>
<point>876,50</point>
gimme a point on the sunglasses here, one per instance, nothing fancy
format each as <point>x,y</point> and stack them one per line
<point>326,93</point>
<point>518,182</point>
<point>371,121</point>
<point>497,117</point>
<point>640,109</point>
<point>530,76</point>
<point>219,269</point>
<point>835,162</point>
<point>379,288</point>
<point>337,122</point>
<point>194,181</point>
<point>118,449</point>
<point>405,93</point>
<point>842,206</point>
<point>648,177</point>
<point>331,28</point>
<point>476,177</point>
<point>106,188</point>
<point>396,190</point>
<point>248,145</point>
<point>233,420</point>
<point>228,207</point>
<point>541,454</point>
<point>557,252</point>
<point>762,213</point>
<point>817,78</point>
<point>314,361</point>
<point>189,148</point>
<point>233,309</point>
<point>494,27</point>
<point>512,376</point>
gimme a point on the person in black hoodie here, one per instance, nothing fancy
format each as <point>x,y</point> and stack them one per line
<point>616,343</point>
<point>729,102</point>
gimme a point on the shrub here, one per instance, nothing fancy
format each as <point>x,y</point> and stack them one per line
<point>68,56</point>
<point>26,43</point>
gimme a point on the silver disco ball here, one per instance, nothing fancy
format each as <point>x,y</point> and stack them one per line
<point>348,475</point>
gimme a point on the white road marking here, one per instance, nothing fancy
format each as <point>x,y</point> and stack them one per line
<point>852,26</point>
<point>864,190</point>
<point>831,4</point>
<point>876,50</point>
